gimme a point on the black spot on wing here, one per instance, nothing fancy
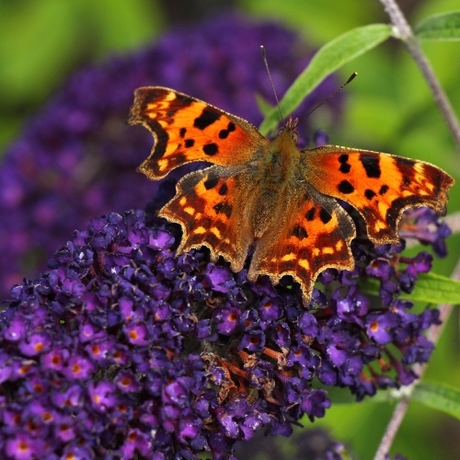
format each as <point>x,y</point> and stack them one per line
<point>210,149</point>
<point>224,133</point>
<point>189,143</point>
<point>310,214</point>
<point>210,183</point>
<point>345,187</point>
<point>344,166</point>
<point>406,162</point>
<point>207,118</point>
<point>383,189</point>
<point>369,194</point>
<point>223,207</point>
<point>324,216</point>
<point>182,132</point>
<point>182,100</point>
<point>299,232</point>
<point>371,165</point>
<point>223,190</point>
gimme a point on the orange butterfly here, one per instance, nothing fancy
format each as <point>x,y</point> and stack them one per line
<point>272,195</point>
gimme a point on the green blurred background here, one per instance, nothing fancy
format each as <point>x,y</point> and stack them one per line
<point>389,108</point>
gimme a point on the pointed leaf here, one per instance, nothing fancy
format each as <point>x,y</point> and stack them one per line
<point>429,288</point>
<point>436,289</point>
<point>440,27</point>
<point>328,59</point>
<point>438,396</point>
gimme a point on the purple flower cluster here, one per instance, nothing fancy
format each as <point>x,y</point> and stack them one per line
<point>76,159</point>
<point>422,225</point>
<point>124,349</point>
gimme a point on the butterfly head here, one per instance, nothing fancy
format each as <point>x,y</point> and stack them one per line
<point>291,128</point>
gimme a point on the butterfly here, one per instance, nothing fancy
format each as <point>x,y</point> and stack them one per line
<point>270,195</point>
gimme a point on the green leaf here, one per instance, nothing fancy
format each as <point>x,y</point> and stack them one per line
<point>438,396</point>
<point>263,105</point>
<point>328,59</point>
<point>429,288</point>
<point>440,27</point>
<point>434,288</point>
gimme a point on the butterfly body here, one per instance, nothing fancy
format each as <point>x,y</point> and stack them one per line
<point>272,196</point>
<point>272,183</point>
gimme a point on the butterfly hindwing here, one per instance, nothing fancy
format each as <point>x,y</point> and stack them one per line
<point>187,129</point>
<point>209,208</point>
<point>316,234</point>
<point>380,186</point>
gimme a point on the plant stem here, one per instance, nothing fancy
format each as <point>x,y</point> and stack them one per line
<point>404,32</point>
<point>392,429</point>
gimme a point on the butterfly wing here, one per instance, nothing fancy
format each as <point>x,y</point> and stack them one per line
<point>380,186</point>
<point>316,234</point>
<point>210,207</point>
<point>186,129</point>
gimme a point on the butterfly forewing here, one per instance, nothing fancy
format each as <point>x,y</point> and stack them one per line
<point>380,186</point>
<point>187,129</point>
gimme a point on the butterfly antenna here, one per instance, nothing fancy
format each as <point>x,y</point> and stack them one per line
<point>350,79</point>
<point>264,57</point>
